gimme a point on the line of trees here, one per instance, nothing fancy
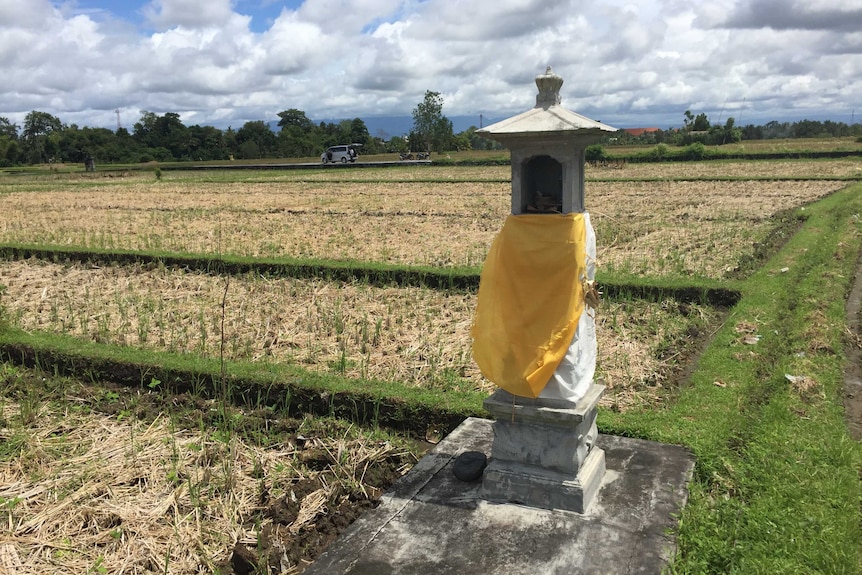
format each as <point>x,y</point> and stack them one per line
<point>45,138</point>
<point>699,129</point>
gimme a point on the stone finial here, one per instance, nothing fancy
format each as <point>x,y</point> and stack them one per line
<point>549,88</point>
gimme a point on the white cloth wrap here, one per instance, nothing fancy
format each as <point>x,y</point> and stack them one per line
<point>577,369</point>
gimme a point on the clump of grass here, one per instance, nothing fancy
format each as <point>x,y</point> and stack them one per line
<point>4,318</point>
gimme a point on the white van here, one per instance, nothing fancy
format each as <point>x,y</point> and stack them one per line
<point>342,154</point>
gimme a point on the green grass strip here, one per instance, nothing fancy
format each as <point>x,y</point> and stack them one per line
<point>776,487</point>
<point>614,286</point>
<point>253,384</point>
<point>382,274</point>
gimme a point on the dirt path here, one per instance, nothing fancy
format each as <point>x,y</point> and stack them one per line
<point>853,370</point>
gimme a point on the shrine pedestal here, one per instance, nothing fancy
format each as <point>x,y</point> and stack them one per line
<point>543,453</point>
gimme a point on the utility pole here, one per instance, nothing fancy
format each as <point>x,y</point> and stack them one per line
<point>117,111</point>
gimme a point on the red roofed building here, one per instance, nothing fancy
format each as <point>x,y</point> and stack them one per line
<point>640,131</point>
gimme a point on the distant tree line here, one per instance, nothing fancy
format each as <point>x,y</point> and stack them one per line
<point>164,138</point>
<point>698,129</point>
<point>45,138</point>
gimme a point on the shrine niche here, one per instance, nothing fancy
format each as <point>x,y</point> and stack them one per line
<point>543,183</point>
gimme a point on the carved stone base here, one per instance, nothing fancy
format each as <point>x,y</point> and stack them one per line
<point>509,482</point>
<point>543,453</point>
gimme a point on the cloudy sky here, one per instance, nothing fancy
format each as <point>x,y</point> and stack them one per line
<point>626,63</point>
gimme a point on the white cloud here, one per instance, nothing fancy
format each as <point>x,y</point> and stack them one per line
<point>347,16</point>
<point>292,46</point>
<point>164,14</point>
<point>486,21</point>
<point>796,15</point>
<point>353,58</point>
<point>14,14</point>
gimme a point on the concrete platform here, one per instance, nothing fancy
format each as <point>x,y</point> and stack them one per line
<point>430,523</point>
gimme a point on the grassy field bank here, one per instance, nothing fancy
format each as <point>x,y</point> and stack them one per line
<point>777,488</point>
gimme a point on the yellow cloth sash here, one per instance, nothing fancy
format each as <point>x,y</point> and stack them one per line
<point>530,300</point>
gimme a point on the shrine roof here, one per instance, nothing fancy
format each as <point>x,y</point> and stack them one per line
<point>547,117</point>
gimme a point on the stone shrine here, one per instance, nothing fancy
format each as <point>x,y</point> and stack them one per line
<point>543,452</point>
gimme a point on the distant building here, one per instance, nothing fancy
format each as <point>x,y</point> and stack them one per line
<point>639,131</point>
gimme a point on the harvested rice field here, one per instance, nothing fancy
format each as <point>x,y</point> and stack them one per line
<point>727,169</point>
<point>417,336</point>
<point>108,481</point>
<point>96,478</point>
<point>438,216</point>
<point>416,216</point>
